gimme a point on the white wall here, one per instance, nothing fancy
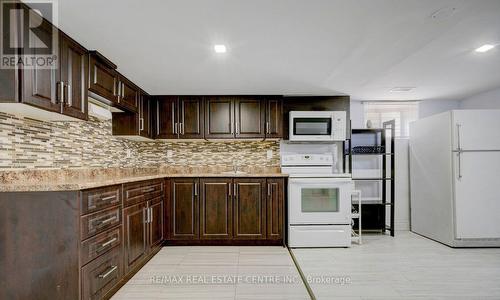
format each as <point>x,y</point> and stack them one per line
<point>428,108</point>
<point>486,100</point>
<point>357,114</point>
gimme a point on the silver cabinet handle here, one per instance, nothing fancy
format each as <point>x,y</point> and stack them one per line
<point>230,190</point>
<point>119,90</point>
<point>195,189</point>
<point>123,90</point>
<point>108,198</point>
<point>176,128</point>
<point>182,127</point>
<point>148,190</point>
<point>235,190</point>
<point>95,79</point>
<point>269,189</point>
<point>108,220</point>
<point>145,215</point>
<point>61,91</point>
<point>237,129</point>
<point>267,127</point>
<point>141,125</point>
<point>150,215</point>
<point>106,274</point>
<point>173,118</point>
<point>108,242</point>
<point>70,95</point>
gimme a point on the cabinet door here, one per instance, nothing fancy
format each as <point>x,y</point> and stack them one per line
<point>103,80</point>
<point>275,208</point>
<point>274,118</point>
<point>144,116</point>
<point>184,201</point>
<point>128,94</point>
<point>74,75</point>
<point>135,234</point>
<point>155,222</point>
<point>191,121</point>
<point>250,117</point>
<point>40,85</point>
<point>249,212</point>
<point>165,117</point>
<point>219,117</point>
<point>216,208</point>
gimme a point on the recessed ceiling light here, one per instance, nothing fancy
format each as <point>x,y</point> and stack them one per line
<point>220,48</point>
<point>485,48</point>
<point>402,89</point>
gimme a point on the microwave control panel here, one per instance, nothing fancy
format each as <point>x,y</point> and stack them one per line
<point>339,125</point>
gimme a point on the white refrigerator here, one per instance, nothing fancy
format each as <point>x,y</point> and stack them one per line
<point>455,178</point>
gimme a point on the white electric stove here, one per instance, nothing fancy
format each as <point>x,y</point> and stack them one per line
<point>319,201</point>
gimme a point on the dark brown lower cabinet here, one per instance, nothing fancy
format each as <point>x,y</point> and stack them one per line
<point>216,200</point>
<point>77,244</point>
<point>185,208</point>
<point>226,211</point>
<point>249,209</point>
<point>135,233</point>
<point>275,207</point>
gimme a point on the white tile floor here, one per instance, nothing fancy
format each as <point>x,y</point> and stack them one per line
<point>405,267</point>
<point>226,264</point>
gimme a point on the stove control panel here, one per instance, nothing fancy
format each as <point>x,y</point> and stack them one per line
<point>306,159</point>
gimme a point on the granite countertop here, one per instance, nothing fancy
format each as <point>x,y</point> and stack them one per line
<point>80,179</point>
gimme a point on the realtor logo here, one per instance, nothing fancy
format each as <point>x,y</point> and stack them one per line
<point>29,34</point>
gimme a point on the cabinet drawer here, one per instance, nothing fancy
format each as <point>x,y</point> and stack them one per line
<point>100,244</point>
<point>99,276</point>
<point>97,199</point>
<point>100,221</point>
<point>141,191</point>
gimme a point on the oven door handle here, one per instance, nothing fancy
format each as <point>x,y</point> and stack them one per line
<point>316,181</point>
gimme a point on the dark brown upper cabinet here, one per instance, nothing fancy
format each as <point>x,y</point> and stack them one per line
<point>274,117</point>
<point>74,78</point>
<point>164,117</point>
<point>219,117</point>
<point>103,81</point>
<point>250,117</point>
<point>144,115</point>
<point>128,94</point>
<point>216,208</point>
<point>191,117</point>
<point>134,125</point>
<point>178,117</point>
<point>41,87</point>
<point>60,90</point>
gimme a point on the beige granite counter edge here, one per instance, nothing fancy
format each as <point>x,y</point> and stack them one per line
<point>71,186</point>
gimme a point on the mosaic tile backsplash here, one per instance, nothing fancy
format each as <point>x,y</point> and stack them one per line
<point>27,143</point>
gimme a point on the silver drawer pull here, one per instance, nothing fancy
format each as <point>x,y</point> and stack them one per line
<point>148,190</point>
<point>108,198</point>
<point>108,220</point>
<point>113,268</point>
<point>108,242</point>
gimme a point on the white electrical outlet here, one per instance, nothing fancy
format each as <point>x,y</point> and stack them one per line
<point>170,153</point>
<point>269,154</point>
<point>129,153</point>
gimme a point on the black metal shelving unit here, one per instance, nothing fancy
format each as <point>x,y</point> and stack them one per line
<point>374,213</point>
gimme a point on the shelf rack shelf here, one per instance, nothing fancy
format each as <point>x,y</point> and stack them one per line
<point>384,138</point>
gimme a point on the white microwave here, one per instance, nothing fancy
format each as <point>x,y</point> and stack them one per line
<point>319,126</point>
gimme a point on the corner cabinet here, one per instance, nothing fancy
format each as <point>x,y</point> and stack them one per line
<point>226,211</point>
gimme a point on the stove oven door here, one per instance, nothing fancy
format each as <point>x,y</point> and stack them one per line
<point>320,201</point>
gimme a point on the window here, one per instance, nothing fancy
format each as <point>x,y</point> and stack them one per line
<point>402,112</point>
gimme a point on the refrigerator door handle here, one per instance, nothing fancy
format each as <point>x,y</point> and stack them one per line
<point>459,152</point>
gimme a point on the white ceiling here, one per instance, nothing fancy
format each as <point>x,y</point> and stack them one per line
<point>362,48</point>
